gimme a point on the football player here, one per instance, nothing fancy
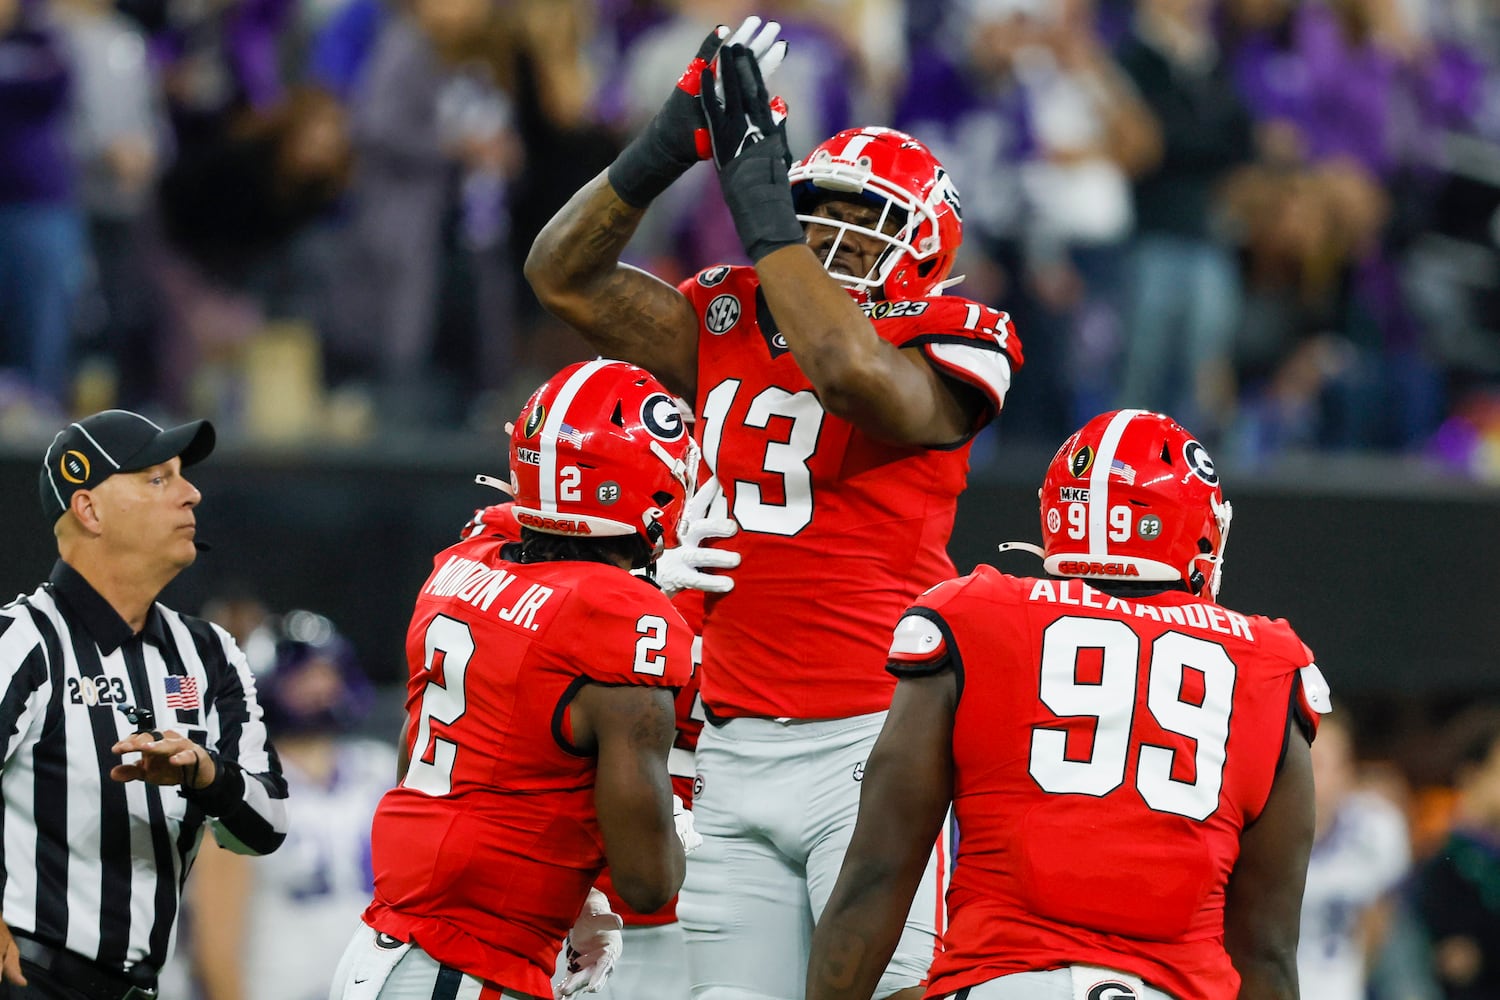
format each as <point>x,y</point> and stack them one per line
<point>540,711</point>
<point>837,390</point>
<point>652,961</point>
<point>1127,761</point>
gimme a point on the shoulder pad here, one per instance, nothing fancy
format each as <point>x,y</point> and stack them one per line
<point>919,646</point>
<point>1313,699</point>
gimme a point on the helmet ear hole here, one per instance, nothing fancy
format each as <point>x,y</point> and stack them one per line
<point>1166,453</point>
<point>617,417</point>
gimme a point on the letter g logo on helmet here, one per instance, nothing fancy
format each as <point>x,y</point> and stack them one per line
<point>1113,990</point>
<point>662,417</point>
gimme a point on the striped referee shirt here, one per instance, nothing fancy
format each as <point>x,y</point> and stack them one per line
<point>94,865</point>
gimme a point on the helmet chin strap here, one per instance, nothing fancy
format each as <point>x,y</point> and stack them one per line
<point>1035,550</point>
<point>494,484</point>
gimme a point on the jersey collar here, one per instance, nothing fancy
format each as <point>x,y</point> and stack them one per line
<point>108,630</point>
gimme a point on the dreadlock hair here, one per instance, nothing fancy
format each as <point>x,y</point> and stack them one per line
<point>542,546</point>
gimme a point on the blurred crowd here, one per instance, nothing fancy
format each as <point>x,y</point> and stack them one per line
<point>1278,220</point>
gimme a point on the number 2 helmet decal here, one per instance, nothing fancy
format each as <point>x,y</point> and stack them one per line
<point>602,449</point>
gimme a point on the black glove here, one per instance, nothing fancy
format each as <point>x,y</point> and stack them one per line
<point>676,138</point>
<point>750,150</point>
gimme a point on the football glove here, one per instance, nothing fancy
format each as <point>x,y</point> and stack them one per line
<point>748,137</point>
<point>682,567</point>
<point>682,819</point>
<point>676,138</point>
<point>592,948</point>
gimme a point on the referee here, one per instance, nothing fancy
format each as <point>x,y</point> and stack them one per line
<point>107,698</point>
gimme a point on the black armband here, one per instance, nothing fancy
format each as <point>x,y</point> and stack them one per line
<point>642,171</point>
<point>222,795</point>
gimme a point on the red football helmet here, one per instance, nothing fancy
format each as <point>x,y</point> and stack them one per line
<point>602,449</point>
<point>897,174</point>
<point>1132,495</point>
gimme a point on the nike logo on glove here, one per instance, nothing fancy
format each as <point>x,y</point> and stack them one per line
<point>752,135</point>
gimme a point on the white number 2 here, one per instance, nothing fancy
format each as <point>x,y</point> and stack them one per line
<point>1111,703</point>
<point>450,642</point>
<point>648,648</point>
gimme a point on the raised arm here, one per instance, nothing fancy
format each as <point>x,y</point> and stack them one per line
<point>903,800</point>
<point>1263,905</point>
<point>623,312</point>
<point>574,265</point>
<point>632,728</point>
<point>890,393</point>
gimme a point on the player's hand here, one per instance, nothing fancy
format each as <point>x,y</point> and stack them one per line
<point>750,150</point>
<point>593,947</point>
<point>10,958</point>
<point>676,137</point>
<point>738,111</point>
<point>682,819</point>
<point>167,758</point>
<point>683,566</point>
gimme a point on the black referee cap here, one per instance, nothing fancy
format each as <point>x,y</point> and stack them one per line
<point>89,451</point>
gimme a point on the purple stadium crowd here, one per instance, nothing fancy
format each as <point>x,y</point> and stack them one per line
<point>1278,220</point>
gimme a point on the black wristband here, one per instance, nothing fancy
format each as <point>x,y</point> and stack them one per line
<point>643,170</point>
<point>224,793</point>
<point>760,200</point>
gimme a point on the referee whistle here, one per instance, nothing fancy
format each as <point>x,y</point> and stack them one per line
<point>143,719</point>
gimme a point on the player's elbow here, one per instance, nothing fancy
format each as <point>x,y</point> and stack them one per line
<point>542,272</point>
<point>647,892</point>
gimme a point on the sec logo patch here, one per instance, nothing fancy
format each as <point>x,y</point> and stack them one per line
<point>722,313</point>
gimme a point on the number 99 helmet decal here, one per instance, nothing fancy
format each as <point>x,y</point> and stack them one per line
<point>1132,495</point>
<point>920,218</point>
<point>602,449</point>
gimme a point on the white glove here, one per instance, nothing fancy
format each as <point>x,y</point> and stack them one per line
<point>764,46</point>
<point>682,568</point>
<point>682,819</point>
<point>593,947</point>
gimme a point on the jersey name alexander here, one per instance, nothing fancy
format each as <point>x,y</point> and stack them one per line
<point>1207,617</point>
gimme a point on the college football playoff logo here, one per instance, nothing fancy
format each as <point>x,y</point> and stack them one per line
<point>534,420</point>
<point>1082,460</point>
<point>74,467</point>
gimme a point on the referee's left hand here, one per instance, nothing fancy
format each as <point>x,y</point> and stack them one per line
<point>167,758</point>
<point>10,960</point>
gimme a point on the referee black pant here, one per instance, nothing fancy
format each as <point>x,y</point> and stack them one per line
<point>55,974</point>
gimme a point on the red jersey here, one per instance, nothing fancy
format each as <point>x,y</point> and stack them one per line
<point>484,854</point>
<point>1107,754</point>
<point>499,520</point>
<point>868,519</point>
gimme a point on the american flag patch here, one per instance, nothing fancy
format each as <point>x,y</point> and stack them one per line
<point>1125,472</point>
<point>570,434</point>
<point>182,692</point>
